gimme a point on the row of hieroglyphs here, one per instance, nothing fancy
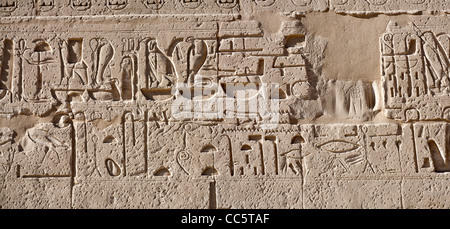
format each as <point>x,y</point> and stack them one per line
<point>112,7</point>
<point>144,68</point>
<point>106,108</point>
<point>146,149</point>
<point>126,82</point>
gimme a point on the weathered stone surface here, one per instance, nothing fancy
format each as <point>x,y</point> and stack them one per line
<point>259,194</point>
<point>419,192</point>
<point>388,6</point>
<point>114,194</point>
<point>224,104</point>
<point>353,194</point>
<point>43,193</point>
<point>220,7</point>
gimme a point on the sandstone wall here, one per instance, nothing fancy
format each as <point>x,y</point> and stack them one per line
<point>224,104</point>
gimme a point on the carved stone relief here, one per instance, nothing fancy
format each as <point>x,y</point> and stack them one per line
<point>415,70</point>
<point>155,100</point>
<point>219,7</point>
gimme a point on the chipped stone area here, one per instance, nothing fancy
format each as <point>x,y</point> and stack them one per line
<point>224,104</point>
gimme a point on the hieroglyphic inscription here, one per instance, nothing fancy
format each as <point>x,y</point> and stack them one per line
<point>151,98</point>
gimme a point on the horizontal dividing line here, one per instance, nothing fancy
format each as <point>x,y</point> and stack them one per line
<point>271,179</point>
<point>240,50</point>
<point>382,177</point>
<point>114,32</point>
<point>149,180</point>
<point>137,16</point>
<point>46,176</point>
<point>443,177</point>
<point>80,182</point>
<point>218,180</point>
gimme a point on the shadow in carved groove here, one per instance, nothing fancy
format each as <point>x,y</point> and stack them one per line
<point>439,160</point>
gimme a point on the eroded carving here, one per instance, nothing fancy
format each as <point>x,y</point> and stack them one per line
<point>415,69</point>
<point>191,4</point>
<point>386,6</point>
<point>154,4</point>
<point>44,5</point>
<point>8,5</point>
<point>116,4</point>
<point>218,8</point>
<point>46,150</point>
<point>81,5</point>
<point>228,4</point>
<point>171,103</point>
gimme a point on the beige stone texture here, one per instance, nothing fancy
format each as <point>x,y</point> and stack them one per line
<point>224,104</point>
